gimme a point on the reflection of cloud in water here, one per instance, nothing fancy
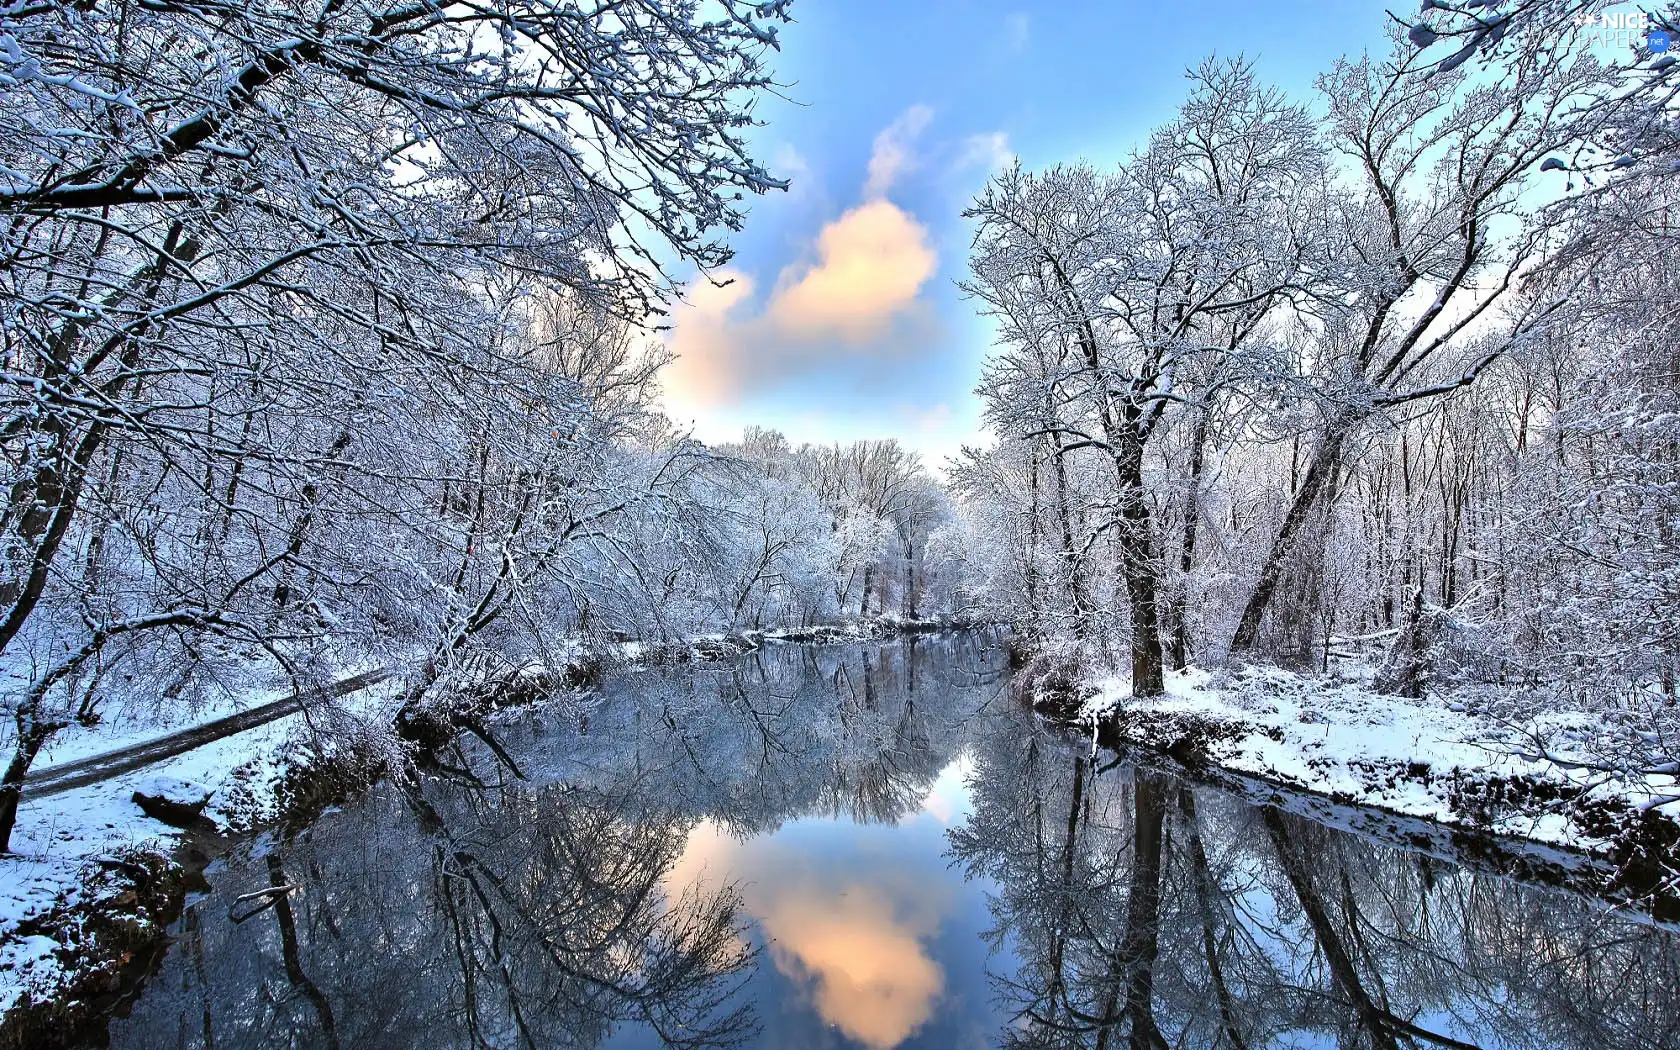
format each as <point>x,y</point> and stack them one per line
<point>845,928</point>
<point>870,975</point>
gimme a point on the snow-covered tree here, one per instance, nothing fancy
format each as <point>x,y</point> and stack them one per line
<point>276,377</point>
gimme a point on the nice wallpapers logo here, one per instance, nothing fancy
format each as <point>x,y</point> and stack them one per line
<point>1624,29</point>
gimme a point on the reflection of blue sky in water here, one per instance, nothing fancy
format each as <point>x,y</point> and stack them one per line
<point>870,938</point>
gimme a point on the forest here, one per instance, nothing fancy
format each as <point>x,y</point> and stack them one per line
<point>334,334</point>
<point>1379,385</point>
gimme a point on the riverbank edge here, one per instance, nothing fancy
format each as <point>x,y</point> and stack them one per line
<point>117,928</point>
<point>1627,857</point>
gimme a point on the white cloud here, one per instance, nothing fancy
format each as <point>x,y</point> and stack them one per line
<point>948,797</point>
<point>988,150</point>
<point>894,155</point>
<point>788,163</point>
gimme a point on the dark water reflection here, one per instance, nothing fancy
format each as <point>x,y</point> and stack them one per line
<point>872,847</point>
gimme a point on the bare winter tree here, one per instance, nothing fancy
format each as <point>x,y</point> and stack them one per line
<point>1283,374</point>
<point>1118,285</point>
<point>1440,170</point>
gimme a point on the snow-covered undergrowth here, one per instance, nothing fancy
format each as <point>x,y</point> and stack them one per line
<point>719,646</point>
<point>1464,759</point>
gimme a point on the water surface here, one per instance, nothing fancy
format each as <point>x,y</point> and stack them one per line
<point>871,846</point>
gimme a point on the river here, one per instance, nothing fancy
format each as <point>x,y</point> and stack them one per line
<point>870,846</point>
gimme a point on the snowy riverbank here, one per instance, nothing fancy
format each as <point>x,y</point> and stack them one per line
<point>1466,761</point>
<point>75,852</point>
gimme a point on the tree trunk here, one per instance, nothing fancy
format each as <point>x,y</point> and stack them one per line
<point>30,738</point>
<point>1125,440</point>
<point>1033,529</point>
<point>909,579</point>
<point>292,958</point>
<point>1187,549</point>
<point>1137,563</point>
<point>1078,593</point>
<point>1326,462</point>
<point>1066,893</point>
<point>57,504</point>
<point>42,508</point>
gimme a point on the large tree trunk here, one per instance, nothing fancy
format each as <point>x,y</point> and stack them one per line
<point>1143,912</point>
<point>1125,439</point>
<point>1138,564</point>
<point>1371,1018</point>
<point>1065,892</point>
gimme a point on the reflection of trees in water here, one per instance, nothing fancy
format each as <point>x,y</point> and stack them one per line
<point>1146,913</point>
<point>791,730</point>
<point>541,923</point>
<point>491,912</point>
<point>1142,912</point>
<point>564,960</point>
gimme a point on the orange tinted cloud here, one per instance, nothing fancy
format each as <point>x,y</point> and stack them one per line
<point>871,262</point>
<point>861,278</point>
<point>706,342</point>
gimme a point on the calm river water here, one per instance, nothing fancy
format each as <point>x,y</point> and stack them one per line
<point>870,846</point>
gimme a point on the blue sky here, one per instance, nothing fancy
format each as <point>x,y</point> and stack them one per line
<point>844,320</point>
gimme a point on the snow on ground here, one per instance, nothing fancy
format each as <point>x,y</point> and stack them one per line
<point>1337,737</point>
<point>58,837</point>
<point>140,723</point>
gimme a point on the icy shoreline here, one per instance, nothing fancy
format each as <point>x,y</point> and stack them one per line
<point>1437,762</point>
